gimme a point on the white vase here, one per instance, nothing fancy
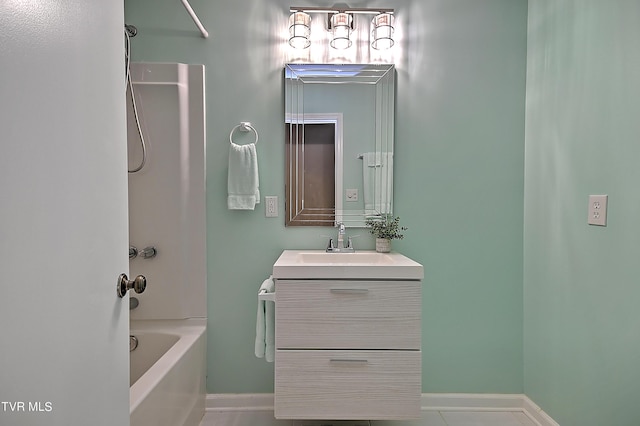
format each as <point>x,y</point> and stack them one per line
<point>383,245</point>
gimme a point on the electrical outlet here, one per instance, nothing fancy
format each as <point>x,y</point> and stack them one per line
<point>597,210</point>
<point>271,206</point>
<point>351,194</point>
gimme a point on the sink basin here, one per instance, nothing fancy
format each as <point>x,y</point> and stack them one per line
<point>317,264</point>
<point>357,258</point>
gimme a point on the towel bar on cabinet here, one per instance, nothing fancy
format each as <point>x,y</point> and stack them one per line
<point>271,297</point>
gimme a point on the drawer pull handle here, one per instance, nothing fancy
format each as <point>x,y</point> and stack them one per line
<point>348,361</point>
<point>349,290</point>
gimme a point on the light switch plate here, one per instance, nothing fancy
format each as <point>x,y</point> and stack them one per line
<point>597,210</point>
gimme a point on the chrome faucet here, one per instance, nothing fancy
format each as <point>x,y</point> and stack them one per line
<point>341,248</point>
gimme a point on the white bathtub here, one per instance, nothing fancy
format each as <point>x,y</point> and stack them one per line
<point>168,372</point>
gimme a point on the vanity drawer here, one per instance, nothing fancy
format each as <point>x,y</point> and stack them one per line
<point>348,314</point>
<point>347,384</point>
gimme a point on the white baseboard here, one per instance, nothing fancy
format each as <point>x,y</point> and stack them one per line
<point>471,402</point>
<point>429,402</point>
<point>239,402</point>
<point>535,413</point>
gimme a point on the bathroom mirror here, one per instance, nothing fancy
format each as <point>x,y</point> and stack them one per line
<point>338,143</point>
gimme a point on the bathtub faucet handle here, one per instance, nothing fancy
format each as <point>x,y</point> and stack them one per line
<point>148,252</point>
<point>138,284</point>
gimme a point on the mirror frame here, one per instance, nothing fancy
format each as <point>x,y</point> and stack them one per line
<point>382,77</point>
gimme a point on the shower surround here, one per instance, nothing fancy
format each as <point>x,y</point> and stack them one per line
<point>167,212</point>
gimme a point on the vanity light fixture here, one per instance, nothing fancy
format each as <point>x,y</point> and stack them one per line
<point>299,30</point>
<point>340,23</point>
<point>382,31</point>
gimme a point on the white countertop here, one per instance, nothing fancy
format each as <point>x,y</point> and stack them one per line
<point>364,265</point>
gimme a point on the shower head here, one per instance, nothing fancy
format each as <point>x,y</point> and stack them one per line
<point>131,30</point>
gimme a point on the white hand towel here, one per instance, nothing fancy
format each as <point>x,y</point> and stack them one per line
<point>242,181</point>
<point>270,330</point>
<point>265,323</point>
<point>377,175</point>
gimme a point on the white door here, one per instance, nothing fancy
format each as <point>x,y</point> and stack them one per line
<point>63,214</point>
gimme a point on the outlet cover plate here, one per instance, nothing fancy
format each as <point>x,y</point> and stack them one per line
<point>597,210</point>
<point>351,194</point>
<point>271,206</point>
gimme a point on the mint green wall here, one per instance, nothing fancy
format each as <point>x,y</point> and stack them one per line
<point>581,283</point>
<point>458,181</point>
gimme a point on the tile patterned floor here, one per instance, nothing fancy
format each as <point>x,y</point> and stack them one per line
<point>429,418</point>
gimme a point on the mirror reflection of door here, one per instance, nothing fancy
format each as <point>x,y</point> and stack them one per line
<point>310,174</point>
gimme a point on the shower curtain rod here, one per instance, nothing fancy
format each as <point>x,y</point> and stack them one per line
<point>193,15</point>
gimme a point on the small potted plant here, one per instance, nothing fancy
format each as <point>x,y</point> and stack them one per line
<point>385,228</point>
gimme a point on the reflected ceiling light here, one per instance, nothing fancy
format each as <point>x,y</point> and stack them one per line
<point>299,30</point>
<point>341,26</point>
<point>382,31</point>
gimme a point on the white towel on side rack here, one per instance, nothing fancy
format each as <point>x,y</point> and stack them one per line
<point>242,181</point>
<point>265,323</point>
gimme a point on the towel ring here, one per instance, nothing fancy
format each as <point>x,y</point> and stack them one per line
<point>244,127</point>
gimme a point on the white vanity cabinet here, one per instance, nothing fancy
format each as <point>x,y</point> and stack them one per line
<point>348,348</point>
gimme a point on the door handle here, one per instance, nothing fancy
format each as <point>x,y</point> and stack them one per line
<point>138,284</point>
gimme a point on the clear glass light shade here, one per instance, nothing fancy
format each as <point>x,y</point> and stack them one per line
<point>382,31</point>
<point>299,30</point>
<point>341,31</point>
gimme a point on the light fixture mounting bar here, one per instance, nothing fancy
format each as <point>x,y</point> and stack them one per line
<point>369,11</point>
